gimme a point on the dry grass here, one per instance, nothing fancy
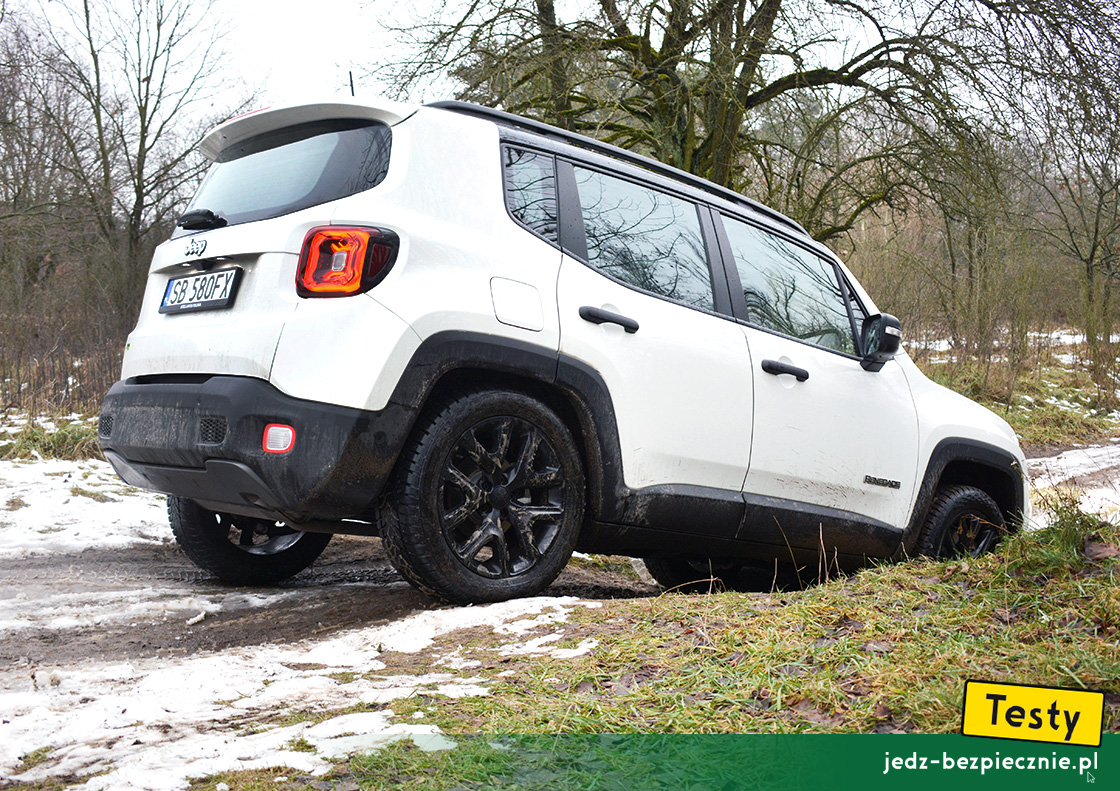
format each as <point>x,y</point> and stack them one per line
<point>67,438</point>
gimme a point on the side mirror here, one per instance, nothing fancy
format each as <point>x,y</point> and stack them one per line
<point>880,339</point>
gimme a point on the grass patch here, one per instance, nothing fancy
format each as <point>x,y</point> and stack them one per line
<point>15,502</point>
<point>50,784</point>
<point>1049,424</point>
<point>74,440</point>
<point>300,745</point>
<point>885,650</point>
<point>35,757</point>
<point>476,764</point>
<point>259,724</point>
<point>253,780</point>
<point>609,563</point>
<point>1050,404</point>
<point>97,497</point>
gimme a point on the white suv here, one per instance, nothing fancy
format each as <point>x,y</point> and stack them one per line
<point>492,342</point>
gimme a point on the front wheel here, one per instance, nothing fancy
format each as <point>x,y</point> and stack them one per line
<point>963,521</point>
<point>488,499</point>
<point>241,550</point>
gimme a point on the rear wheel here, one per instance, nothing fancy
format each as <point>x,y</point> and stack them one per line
<point>241,550</point>
<point>488,499</point>
<point>963,521</point>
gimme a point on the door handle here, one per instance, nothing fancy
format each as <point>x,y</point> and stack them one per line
<point>777,368</point>
<point>600,316</point>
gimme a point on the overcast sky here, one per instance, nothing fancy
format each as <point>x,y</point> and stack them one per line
<point>293,48</point>
<point>288,50</point>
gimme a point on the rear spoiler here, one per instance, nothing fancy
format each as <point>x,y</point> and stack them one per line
<point>260,121</point>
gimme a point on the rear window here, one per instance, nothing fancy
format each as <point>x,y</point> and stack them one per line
<point>291,169</point>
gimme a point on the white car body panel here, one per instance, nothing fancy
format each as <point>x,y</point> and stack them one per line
<point>355,363</point>
<point>240,339</point>
<point>947,416</point>
<point>665,380</point>
<point>816,441</point>
<point>453,241</point>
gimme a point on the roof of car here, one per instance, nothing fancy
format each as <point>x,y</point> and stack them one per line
<point>582,141</point>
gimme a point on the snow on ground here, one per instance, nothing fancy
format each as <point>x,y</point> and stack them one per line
<point>152,723</point>
<point>75,610</point>
<point>1093,472</point>
<point>68,506</point>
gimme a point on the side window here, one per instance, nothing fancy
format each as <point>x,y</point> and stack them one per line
<point>643,237</point>
<point>789,289</point>
<point>531,190</point>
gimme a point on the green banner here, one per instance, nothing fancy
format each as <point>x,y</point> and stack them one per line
<point>750,763</point>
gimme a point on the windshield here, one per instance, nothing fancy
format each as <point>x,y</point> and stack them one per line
<point>291,169</point>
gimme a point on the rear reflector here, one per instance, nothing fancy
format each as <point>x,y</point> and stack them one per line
<point>278,438</point>
<point>337,262</point>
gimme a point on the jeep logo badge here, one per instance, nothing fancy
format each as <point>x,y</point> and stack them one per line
<point>195,247</point>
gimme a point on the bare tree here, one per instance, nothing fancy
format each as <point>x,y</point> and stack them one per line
<point>1075,173</point>
<point>101,106</point>
<point>139,81</point>
<point>688,81</point>
<point>35,191</point>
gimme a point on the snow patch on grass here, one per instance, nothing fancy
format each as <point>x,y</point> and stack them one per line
<point>68,506</point>
<point>152,723</point>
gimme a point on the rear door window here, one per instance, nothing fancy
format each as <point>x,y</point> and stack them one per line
<point>295,168</point>
<point>649,239</point>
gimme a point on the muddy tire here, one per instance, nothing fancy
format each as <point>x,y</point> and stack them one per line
<point>488,499</point>
<point>240,550</point>
<point>962,521</point>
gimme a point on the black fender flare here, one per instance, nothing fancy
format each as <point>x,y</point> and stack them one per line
<point>973,463</point>
<point>578,386</point>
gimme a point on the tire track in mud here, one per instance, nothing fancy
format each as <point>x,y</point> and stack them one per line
<point>147,601</point>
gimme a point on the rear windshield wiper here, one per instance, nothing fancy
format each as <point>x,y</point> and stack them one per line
<point>201,220</point>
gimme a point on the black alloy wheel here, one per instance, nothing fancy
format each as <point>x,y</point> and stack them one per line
<point>488,499</point>
<point>963,521</point>
<point>501,497</point>
<point>241,550</point>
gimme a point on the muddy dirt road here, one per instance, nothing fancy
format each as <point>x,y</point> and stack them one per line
<point>145,601</point>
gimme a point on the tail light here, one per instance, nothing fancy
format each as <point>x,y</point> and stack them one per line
<point>338,262</point>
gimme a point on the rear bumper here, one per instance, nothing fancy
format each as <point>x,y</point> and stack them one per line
<point>201,438</point>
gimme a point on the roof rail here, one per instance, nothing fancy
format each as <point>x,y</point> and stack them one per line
<point>591,144</point>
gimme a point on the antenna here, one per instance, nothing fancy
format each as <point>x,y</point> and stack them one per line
<point>351,83</point>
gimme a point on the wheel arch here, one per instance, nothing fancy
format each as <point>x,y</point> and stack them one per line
<point>452,361</point>
<point>963,462</point>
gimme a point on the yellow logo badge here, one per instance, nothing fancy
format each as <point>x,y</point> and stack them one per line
<point>1035,714</point>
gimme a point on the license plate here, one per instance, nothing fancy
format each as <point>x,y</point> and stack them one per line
<point>208,291</point>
